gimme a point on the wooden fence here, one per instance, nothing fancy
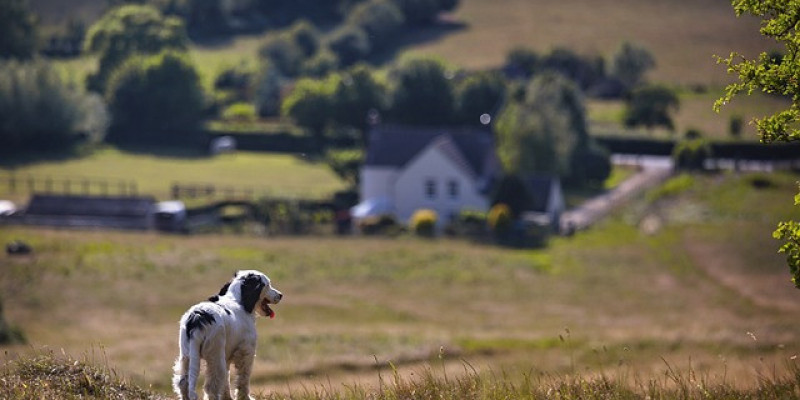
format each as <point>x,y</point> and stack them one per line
<point>15,185</point>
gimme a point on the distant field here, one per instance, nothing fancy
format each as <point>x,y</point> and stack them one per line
<point>682,34</point>
<point>278,174</point>
<point>706,293</point>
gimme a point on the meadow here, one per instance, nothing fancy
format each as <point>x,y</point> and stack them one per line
<point>705,298</point>
<point>153,173</point>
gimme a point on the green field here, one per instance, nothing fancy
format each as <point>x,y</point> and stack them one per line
<point>707,294</point>
<point>266,173</point>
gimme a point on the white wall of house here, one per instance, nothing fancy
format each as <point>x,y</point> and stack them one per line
<point>377,182</point>
<point>432,180</point>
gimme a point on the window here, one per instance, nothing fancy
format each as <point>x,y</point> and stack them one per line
<point>452,189</point>
<point>430,189</point>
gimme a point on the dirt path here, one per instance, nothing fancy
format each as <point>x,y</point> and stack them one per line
<point>653,171</point>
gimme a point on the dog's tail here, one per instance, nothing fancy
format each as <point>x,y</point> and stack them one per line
<point>187,367</point>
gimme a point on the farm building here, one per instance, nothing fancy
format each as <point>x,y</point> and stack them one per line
<point>116,212</point>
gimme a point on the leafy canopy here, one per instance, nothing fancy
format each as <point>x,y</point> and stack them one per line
<point>775,75</point>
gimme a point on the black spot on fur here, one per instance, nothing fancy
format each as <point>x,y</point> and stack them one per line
<point>224,289</point>
<point>196,320</point>
<point>251,289</point>
<point>214,298</point>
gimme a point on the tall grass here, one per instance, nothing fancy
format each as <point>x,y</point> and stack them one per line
<point>51,376</point>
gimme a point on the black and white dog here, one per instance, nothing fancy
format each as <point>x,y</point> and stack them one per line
<point>222,331</point>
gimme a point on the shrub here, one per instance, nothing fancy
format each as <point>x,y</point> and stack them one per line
<point>691,154</point>
<point>283,53</point>
<point>423,222</point>
<point>241,112</point>
<point>39,111</point>
<point>350,44</point>
<point>499,219</point>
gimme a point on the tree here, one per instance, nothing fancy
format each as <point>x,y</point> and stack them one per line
<point>547,133</point>
<point>18,30</point>
<point>155,100</point>
<point>129,30</point>
<point>309,105</point>
<point>39,111</point>
<point>775,75</point>
<point>423,93</point>
<point>630,63</point>
<point>357,93</point>
<point>380,19</point>
<point>650,106</point>
<point>350,44</point>
<point>479,94</point>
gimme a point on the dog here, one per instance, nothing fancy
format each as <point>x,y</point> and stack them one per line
<point>222,331</point>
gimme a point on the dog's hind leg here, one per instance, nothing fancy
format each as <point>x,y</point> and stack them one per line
<point>216,376</point>
<point>243,361</point>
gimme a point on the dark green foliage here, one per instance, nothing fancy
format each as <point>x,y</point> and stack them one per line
<point>482,93</point>
<point>320,65</point>
<point>650,106</point>
<point>735,126</point>
<point>522,61</point>
<point>268,86</point>
<point>356,94</point>
<point>306,36</point>
<point>382,20</point>
<point>129,30</point>
<point>281,51</point>
<point>541,134</point>
<point>346,164</point>
<point>202,17</point>
<point>584,71</point>
<point>350,44</point>
<point>630,63</point>
<point>419,12</point>
<point>18,30</point>
<point>691,154</point>
<point>39,111</point>
<point>512,193</point>
<point>423,94</point>
<point>155,99</point>
<point>591,164</point>
<point>309,105</point>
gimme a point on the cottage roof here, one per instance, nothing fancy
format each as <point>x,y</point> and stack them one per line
<point>396,145</point>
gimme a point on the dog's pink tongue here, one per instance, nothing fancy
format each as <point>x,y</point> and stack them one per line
<point>271,314</point>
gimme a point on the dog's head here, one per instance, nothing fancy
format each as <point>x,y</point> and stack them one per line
<point>254,291</point>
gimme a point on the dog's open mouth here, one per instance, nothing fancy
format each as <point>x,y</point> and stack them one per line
<point>266,309</point>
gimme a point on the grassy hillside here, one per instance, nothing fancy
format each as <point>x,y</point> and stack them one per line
<point>705,293</point>
<point>682,34</point>
<point>276,174</point>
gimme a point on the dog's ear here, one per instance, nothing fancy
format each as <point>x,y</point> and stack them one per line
<point>251,291</point>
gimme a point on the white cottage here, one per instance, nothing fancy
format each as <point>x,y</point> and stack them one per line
<point>444,169</point>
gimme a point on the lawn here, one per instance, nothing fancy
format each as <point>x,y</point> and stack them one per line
<point>705,293</point>
<point>267,173</point>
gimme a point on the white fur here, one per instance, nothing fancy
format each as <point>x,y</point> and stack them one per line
<point>223,332</point>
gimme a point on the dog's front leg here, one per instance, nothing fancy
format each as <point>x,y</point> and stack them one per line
<point>243,361</point>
